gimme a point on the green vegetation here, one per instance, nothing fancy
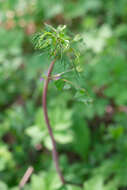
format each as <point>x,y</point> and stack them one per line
<point>57,44</point>
<point>89,126</point>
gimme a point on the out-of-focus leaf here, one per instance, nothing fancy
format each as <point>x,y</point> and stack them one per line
<point>3,186</point>
<point>59,84</point>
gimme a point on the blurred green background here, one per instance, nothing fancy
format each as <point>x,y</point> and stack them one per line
<point>91,139</point>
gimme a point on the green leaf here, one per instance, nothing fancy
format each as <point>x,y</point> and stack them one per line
<point>3,186</point>
<point>81,132</point>
<point>61,125</point>
<point>82,96</point>
<point>36,134</point>
<point>59,84</point>
<point>95,183</point>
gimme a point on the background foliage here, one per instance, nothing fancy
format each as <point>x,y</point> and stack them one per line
<point>91,138</point>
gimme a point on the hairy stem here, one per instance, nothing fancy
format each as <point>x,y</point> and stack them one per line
<point>44,103</point>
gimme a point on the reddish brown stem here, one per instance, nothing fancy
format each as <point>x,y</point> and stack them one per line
<point>44,103</point>
<point>54,150</point>
<point>26,177</point>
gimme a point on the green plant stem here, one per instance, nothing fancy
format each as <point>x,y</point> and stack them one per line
<point>44,103</point>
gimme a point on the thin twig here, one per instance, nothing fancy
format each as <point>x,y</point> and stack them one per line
<point>54,150</point>
<point>26,177</point>
<point>44,103</point>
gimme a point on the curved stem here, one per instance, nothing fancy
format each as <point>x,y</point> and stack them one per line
<point>54,150</point>
<point>44,103</point>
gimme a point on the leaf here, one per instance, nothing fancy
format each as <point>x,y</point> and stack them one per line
<point>35,133</point>
<point>82,96</point>
<point>6,159</point>
<point>77,38</point>
<point>45,180</point>
<point>61,28</point>
<point>95,183</point>
<point>61,125</point>
<point>3,186</point>
<point>62,188</point>
<point>82,139</point>
<point>59,84</point>
<point>49,28</point>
